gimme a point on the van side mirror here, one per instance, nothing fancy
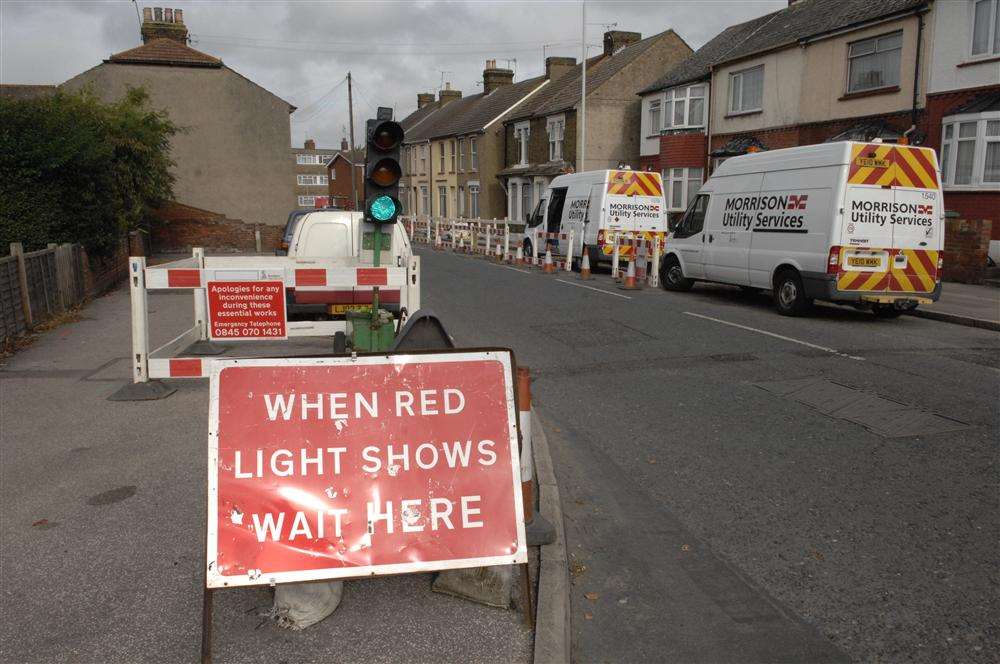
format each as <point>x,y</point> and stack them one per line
<point>672,224</point>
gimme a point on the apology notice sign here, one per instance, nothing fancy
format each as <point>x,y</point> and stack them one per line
<point>246,310</point>
<point>353,466</point>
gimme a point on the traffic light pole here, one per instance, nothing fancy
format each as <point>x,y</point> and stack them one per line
<point>350,160</point>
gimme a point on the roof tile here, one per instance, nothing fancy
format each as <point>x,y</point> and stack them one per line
<point>164,51</point>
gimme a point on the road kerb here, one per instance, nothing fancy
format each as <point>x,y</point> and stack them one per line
<point>967,321</point>
<point>552,621</point>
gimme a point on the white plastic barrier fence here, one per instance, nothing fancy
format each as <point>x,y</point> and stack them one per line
<point>301,274</point>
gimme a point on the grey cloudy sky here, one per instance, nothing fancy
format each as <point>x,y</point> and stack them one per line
<point>302,50</point>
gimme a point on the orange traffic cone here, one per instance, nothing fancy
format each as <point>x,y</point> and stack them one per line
<point>630,283</point>
<point>585,265</point>
<point>548,267</point>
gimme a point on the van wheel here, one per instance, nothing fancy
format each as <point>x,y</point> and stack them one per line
<point>886,311</point>
<point>789,295</point>
<point>594,253</point>
<point>672,276</point>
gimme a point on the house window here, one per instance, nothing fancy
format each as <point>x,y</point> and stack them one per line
<point>461,201</point>
<point>423,158</point>
<point>970,150</point>
<point>682,185</point>
<point>874,63</point>
<point>333,174</point>
<point>312,180</point>
<point>452,145</point>
<point>474,201</point>
<point>461,154</point>
<point>443,196</point>
<point>986,28</point>
<point>425,200</point>
<point>522,131</point>
<point>684,107</point>
<point>473,156</point>
<point>746,90</point>
<point>309,159</point>
<point>555,127</point>
<point>654,117</point>
<point>307,201</point>
<point>441,158</point>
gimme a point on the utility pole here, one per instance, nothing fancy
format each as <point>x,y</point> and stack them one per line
<point>350,160</point>
<point>582,156</point>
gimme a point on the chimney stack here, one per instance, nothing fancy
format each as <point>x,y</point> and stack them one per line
<point>494,78</point>
<point>447,95</point>
<point>343,145</point>
<point>158,23</point>
<point>310,144</point>
<point>556,67</point>
<point>616,40</point>
<point>424,98</point>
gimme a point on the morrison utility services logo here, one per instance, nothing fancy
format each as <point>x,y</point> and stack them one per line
<point>766,213</point>
<point>880,213</point>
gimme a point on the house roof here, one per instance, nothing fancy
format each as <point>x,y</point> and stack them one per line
<point>418,116</point>
<point>487,108</point>
<point>18,92</point>
<point>164,51</point>
<point>564,93</point>
<point>697,66</point>
<point>983,103</point>
<point>803,21</point>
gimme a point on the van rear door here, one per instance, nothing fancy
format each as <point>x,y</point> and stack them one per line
<point>892,232</point>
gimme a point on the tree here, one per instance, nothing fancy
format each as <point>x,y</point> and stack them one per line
<point>74,169</point>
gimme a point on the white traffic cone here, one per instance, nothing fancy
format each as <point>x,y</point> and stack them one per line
<point>520,256</point>
<point>585,265</point>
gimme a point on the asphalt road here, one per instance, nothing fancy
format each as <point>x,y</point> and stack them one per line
<point>743,487</point>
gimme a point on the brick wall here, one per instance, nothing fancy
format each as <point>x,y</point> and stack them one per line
<point>966,243</point>
<point>683,150</point>
<point>179,227</point>
<point>340,184</point>
<point>940,105</point>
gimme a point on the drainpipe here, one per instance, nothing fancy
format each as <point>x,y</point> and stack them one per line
<point>916,72</point>
<point>708,121</point>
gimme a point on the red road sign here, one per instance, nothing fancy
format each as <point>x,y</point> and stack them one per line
<point>246,310</point>
<point>327,468</point>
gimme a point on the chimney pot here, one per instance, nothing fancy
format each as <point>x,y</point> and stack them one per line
<point>158,14</point>
<point>179,16</point>
<point>168,15</point>
<point>159,23</point>
<point>147,14</point>
<point>310,144</point>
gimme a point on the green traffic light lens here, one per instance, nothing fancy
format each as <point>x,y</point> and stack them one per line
<point>383,208</point>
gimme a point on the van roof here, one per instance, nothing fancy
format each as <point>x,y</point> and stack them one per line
<point>787,159</point>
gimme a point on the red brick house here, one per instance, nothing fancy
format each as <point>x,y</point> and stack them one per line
<point>340,179</point>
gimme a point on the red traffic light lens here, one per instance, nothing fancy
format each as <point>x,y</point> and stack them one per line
<point>386,136</point>
<point>385,173</point>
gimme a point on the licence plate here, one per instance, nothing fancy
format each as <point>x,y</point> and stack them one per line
<point>344,308</point>
<point>865,262</point>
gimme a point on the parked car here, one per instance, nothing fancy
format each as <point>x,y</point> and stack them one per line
<point>847,222</point>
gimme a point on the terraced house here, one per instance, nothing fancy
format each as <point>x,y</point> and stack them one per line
<point>542,137</point>
<point>454,147</point>
<point>825,70</point>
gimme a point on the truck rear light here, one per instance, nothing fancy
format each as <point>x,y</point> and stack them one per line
<point>833,263</point>
<point>940,265</point>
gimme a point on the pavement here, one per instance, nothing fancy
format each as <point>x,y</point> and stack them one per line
<point>965,304</point>
<point>103,526</point>
<point>738,486</point>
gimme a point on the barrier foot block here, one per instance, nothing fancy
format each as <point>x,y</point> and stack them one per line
<point>148,391</point>
<point>539,532</point>
<point>491,586</point>
<point>204,348</point>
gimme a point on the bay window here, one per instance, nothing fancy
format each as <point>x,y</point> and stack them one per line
<point>684,107</point>
<point>682,184</point>
<point>654,118</point>
<point>970,151</point>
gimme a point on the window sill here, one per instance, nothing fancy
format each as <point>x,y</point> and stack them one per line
<point>979,61</point>
<point>973,188</point>
<point>741,114</point>
<point>888,90</point>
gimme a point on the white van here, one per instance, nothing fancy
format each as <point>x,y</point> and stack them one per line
<point>849,222</point>
<point>596,205</point>
<point>326,234</point>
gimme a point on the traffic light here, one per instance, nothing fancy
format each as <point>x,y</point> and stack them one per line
<point>382,169</point>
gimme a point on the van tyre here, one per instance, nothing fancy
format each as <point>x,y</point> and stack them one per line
<point>789,295</point>
<point>595,256</point>
<point>672,276</point>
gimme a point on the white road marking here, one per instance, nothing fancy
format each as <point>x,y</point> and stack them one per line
<point>833,351</point>
<point>516,269</point>
<point>599,290</point>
